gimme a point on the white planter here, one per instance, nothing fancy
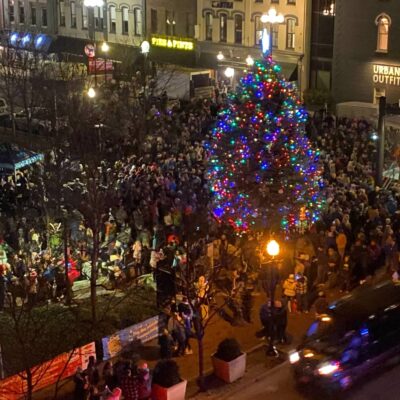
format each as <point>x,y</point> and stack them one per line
<point>229,371</point>
<point>176,392</point>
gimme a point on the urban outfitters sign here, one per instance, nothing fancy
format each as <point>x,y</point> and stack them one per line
<point>387,74</point>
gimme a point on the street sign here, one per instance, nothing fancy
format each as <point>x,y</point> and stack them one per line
<point>90,50</point>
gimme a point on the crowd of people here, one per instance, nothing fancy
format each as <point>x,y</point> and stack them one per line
<point>162,188</point>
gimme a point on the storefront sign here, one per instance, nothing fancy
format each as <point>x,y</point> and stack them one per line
<point>98,65</point>
<point>386,74</point>
<point>171,43</point>
<point>143,332</point>
<point>47,374</point>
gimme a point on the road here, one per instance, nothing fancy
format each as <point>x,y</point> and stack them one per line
<point>278,384</point>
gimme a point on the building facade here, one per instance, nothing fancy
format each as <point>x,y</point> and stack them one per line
<point>234,29</point>
<point>366,57</point>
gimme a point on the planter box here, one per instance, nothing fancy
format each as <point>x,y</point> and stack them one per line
<point>176,392</point>
<point>229,371</point>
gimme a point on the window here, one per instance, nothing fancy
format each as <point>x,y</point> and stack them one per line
<point>291,2</point>
<point>61,6</point>
<point>125,20</point>
<point>275,35</point>
<point>73,14</point>
<point>170,23</point>
<point>223,19</point>
<point>258,30</point>
<point>98,18</point>
<point>137,13</point>
<point>238,29</point>
<point>275,1</point>
<point>33,15</point>
<point>11,15</point>
<point>153,21</point>
<point>21,12</point>
<point>84,17</point>
<point>44,17</point>
<point>290,35</point>
<point>113,19</point>
<point>209,25</point>
<point>258,1</point>
<point>383,34</point>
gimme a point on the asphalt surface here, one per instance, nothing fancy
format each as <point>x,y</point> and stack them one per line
<point>278,384</point>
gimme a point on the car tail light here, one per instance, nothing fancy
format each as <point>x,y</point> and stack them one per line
<point>329,368</point>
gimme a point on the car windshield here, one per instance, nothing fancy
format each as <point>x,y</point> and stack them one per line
<point>322,328</point>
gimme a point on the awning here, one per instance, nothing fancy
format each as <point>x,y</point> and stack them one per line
<point>289,71</point>
<point>13,158</point>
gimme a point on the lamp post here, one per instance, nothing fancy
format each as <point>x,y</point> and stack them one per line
<point>145,50</point>
<point>104,49</point>
<point>272,18</point>
<point>250,60</point>
<point>91,4</point>
<point>230,73</point>
<point>271,279</point>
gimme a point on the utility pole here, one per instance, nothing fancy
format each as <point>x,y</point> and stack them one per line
<point>381,141</point>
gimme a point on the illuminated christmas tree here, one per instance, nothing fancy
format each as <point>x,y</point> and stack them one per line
<point>263,170</point>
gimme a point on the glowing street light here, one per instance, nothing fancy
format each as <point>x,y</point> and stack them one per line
<point>250,60</point>
<point>105,47</point>
<point>91,93</point>
<point>220,56</point>
<point>145,47</point>
<point>273,248</point>
<point>271,18</point>
<point>229,72</point>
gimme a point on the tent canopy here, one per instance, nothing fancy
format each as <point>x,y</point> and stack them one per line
<point>13,158</point>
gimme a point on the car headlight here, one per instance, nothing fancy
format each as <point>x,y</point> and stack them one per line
<point>328,368</point>
<point>294,357</point>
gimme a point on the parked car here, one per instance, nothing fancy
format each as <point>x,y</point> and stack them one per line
<point>358,335</point>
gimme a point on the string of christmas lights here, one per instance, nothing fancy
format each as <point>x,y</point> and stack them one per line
<point>262,168</point>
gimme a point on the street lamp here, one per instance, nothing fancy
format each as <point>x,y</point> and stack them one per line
<point>105,47</point>
<point>91,93</point>
<point>271,280</point>
<point>273,248</point>
<point>271,18</point>
<point>229,72</point>
<point>250,60</point>
<point>145,47</point>
<point>220,56</point>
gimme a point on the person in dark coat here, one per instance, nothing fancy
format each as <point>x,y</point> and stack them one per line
<point>281,321</point>
<point>81,385</point>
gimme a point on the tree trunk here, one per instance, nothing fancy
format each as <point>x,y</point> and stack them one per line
<point>93,276</point>
<point>200,380</point>
<point>68,288</point>
<point>29,384</point>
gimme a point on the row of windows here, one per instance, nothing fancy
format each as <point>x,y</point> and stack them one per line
<point>258,28</point>
<point>34,13</point>
<point>99,18</point>
<point>170,23</point>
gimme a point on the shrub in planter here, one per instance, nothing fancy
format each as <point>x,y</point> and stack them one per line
<point>229,362</point>
<point>167,383</point>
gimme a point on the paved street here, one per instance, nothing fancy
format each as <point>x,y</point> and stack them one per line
<point>278,384</point>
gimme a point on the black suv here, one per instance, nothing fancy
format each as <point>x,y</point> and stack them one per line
<point>359,333</point>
